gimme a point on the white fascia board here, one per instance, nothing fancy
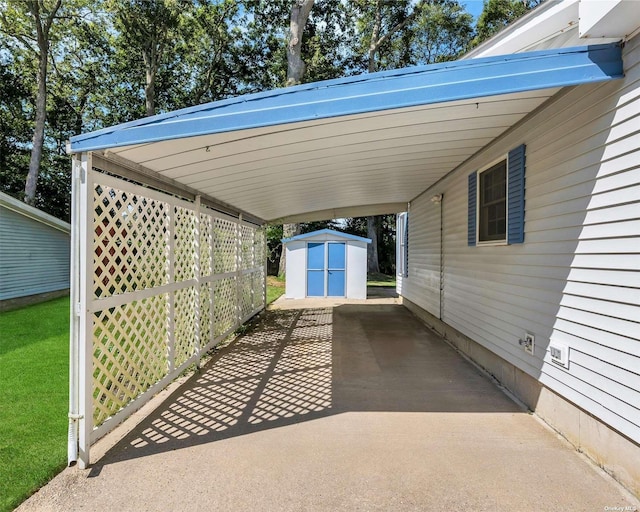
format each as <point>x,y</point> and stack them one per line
<point>608,18</point>
<point>548,19</point>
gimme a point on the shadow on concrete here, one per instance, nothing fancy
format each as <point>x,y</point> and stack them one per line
<point>377,292</point>
<point>299,365</point>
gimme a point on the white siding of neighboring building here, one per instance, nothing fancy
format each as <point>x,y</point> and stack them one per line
<point>34,257</point>
<point>576,279</point>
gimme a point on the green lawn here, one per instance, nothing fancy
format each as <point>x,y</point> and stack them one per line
<point>275,288</point>
<point>381,280</point>
<point>34,380</point>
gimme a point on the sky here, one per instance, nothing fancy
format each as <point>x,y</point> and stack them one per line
<point>474,7</point>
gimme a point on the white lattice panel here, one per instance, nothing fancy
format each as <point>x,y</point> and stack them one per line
<point>225,245</point>
<point>224,305</point>
<point>185,324</point>
<point>206,244</point>
<point>258,289</point>
<point>259,248</point>
<point>130,242</point>
<point>185,232</point>
<point>170,257</point>
<point>247,247</point>
<point>129,353</point>
<point>246,295</point>
<point>206,311</point>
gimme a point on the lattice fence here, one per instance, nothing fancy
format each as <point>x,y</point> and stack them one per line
<point>170,279</point>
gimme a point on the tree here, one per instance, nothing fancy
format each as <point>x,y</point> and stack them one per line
<point>300,10</point>
<point>147,28</point>
<point>15,130</point>
<point>30,23</point>
<point>497,14</point>
<point>442,31</point>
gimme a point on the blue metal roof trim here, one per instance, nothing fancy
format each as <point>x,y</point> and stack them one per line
<point>407,87</point>
<point>332,232</point>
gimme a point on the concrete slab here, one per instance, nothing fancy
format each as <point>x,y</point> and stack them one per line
<point>353,407</point>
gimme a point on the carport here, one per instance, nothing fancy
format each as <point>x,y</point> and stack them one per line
<point>167,240</point>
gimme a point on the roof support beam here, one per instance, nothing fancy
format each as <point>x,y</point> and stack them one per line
<point>341,213</point>
<point>124,168</point>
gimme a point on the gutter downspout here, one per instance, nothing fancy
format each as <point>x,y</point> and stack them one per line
<point>438,198</point>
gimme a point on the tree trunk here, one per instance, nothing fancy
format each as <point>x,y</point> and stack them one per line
<point>150,64</point>
<point>38,133</point>
<point>300,10</point>
<point>372,248</point>
<point>42,29</point>
<point>375,38</point>
<point>288,230</point>
<point>150,94</point>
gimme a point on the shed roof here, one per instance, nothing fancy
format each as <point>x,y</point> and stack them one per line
<point>349,147</point>
<point>331,232</point>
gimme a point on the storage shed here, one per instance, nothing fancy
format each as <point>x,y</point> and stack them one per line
<point>34,254</point>
<point>326,263</point>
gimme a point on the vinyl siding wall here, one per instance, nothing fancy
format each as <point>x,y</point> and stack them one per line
<point>576,278</point>
<point>422,285</point>
<point>34,257</point>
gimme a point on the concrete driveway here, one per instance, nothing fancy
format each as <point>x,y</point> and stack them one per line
<point>355,407</point>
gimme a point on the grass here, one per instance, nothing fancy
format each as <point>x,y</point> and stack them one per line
<point>382,280</point>
<point>275,288</point>
<point>34,380</point>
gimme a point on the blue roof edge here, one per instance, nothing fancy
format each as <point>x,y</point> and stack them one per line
<point>333,232</point>
<point>406,87</point>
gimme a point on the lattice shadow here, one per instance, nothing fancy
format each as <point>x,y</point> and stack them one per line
<point>279,373</point>
<point>299,365</point>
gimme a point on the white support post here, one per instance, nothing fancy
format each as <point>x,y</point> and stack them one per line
<point>265,262</point>
<point>196,262</point>
<point>85,320</point>
<point>171,313</point>
<point>74,323</point>
<point>253,265</point>
<point>239,271</point>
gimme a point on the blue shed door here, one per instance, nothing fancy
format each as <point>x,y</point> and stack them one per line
<point>315,269</point>
<point>326,266</point>
<point>336,269</point>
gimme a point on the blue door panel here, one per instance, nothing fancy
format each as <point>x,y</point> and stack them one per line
<point>335,283</point>
<point>336,256</point>
<point>315,283</point>
<point>315,258</point>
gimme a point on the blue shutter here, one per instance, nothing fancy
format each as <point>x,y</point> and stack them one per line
<point>473,194</point>
<point>515,197</point>
<point>406,245</point>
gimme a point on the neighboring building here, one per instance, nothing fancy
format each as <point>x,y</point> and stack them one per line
<point>527,256</point>
<point>326,263</point>
<point>34,254</point>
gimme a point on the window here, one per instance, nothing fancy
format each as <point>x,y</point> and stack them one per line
<point>492,203</point>
<point>496,201</point>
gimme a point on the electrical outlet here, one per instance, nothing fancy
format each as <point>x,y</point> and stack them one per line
<point>528,343</point>
<point>559,354</point>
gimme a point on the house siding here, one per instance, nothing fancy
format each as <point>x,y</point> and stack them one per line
<point>34,257</point>
<point>576,278</point>
<point>422,284</point>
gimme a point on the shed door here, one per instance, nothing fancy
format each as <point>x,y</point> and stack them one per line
<point>326,269</point>
<point>335,269</point>
<point>315,269</point>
